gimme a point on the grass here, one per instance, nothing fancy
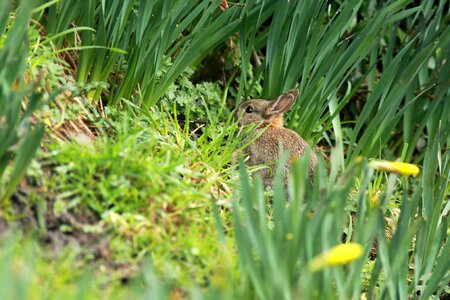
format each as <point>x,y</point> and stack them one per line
<point>136,186</point>
<point>20,138</point>
<point>147,32</point>
<point>145,188</point>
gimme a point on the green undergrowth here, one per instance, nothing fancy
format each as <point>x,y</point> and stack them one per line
<point>134,190</point>
<point>111,187</point>
<point>148,184</point>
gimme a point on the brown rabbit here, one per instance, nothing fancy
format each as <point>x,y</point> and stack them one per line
<point>265,149</point>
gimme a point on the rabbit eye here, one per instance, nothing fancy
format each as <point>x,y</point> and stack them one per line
<point>249,109</point>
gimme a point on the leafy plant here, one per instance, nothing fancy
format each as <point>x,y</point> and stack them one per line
<point>150,33</point>
<point>149,180</point>
<point>19,138</point>
<point>331,52</point>
<point>279,246</point>
<point>202,103</point>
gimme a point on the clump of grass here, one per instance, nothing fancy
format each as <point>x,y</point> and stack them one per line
<point>183,31</point>
<point>283,251</point>
<point>149,184</point>
<point>28,271</point>
<point>19,136</point>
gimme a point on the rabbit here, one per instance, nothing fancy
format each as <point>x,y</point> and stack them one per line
<point>268,116</point>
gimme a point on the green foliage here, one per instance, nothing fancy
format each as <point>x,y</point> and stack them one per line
<point>144,206</point>
<point>19,138</point>
<point>331,55</point>
<point>275,245</point>
<point>201,102</point>
<point>28,272</point>
<point>148,182</point>
<point>119,175</point>
<point>150,33</point>
<point>409,89</point>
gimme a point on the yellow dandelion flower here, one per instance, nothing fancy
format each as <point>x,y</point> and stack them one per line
<point>338,255</point>
<point>395,167</point>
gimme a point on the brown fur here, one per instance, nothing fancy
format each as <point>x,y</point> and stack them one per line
<point>266,148</point>
<point>277,122</point>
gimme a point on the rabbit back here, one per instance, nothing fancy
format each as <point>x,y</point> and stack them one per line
<point>266,150</point>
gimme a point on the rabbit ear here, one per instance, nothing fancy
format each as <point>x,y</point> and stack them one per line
<point>283,102</point>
